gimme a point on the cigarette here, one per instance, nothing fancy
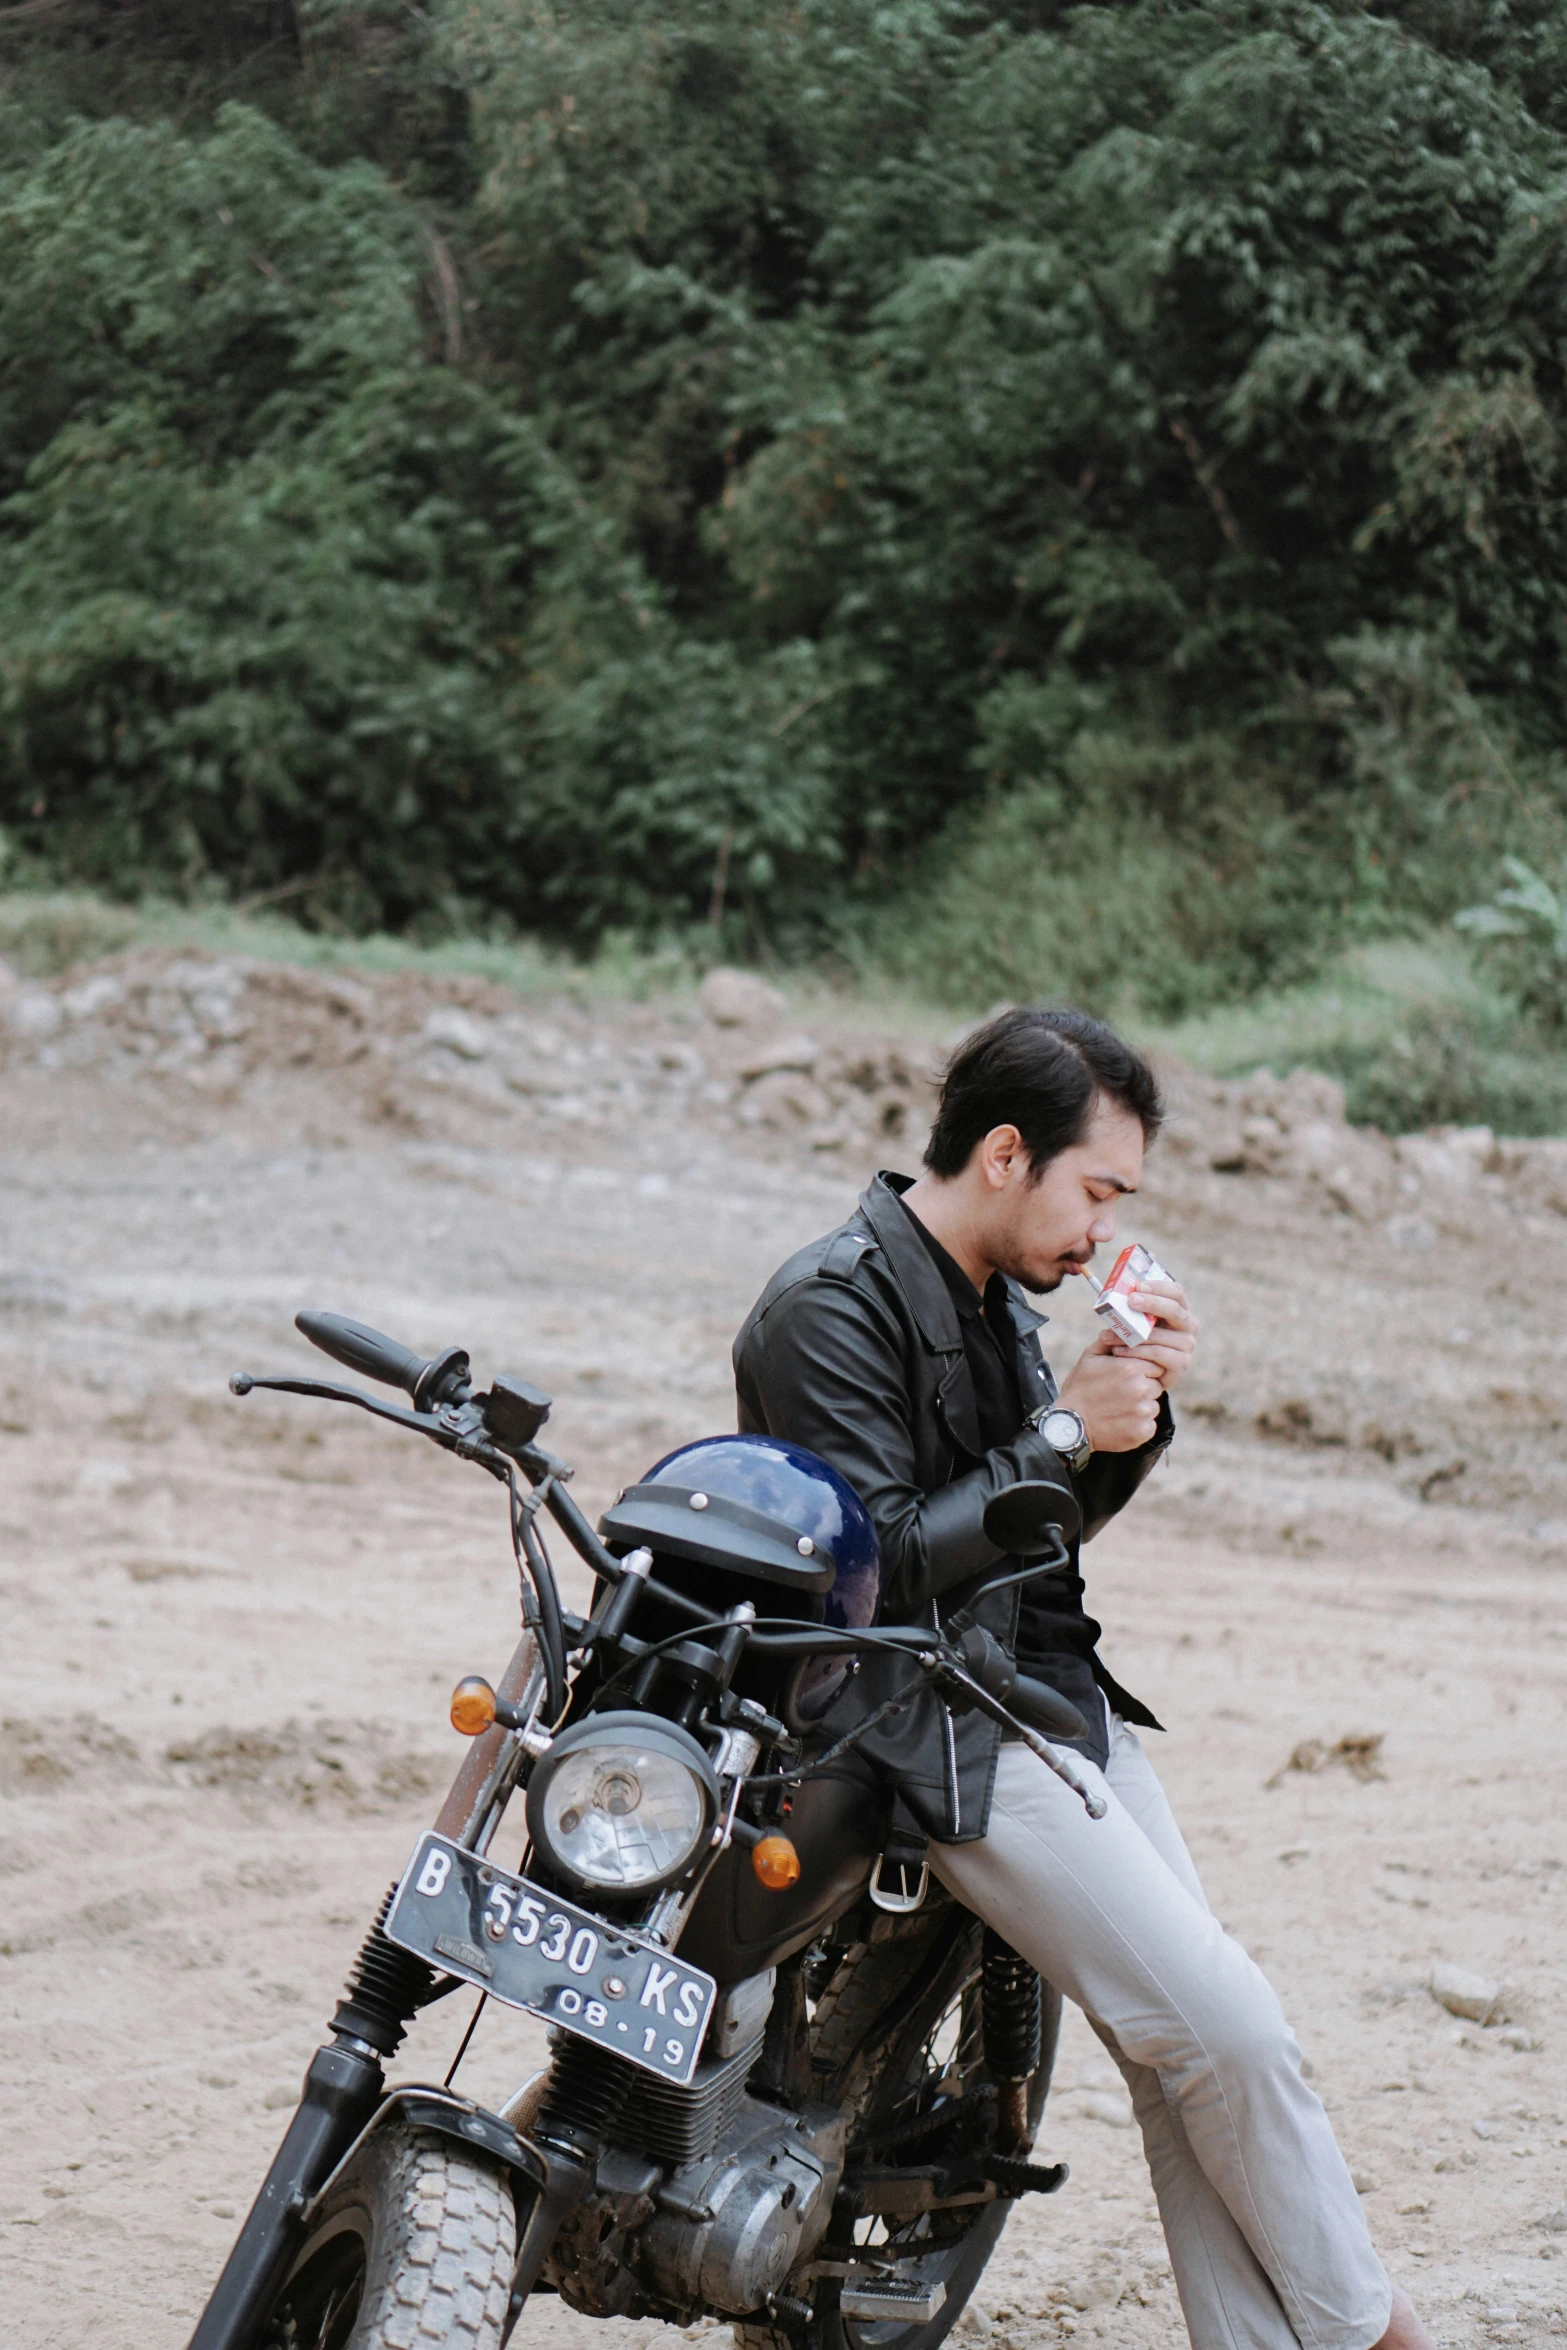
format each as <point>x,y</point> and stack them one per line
<point>1095,1283</point>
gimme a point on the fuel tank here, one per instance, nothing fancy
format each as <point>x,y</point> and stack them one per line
<point>838,1824</point>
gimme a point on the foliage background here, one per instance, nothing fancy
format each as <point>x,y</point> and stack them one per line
<point>1034,499</point>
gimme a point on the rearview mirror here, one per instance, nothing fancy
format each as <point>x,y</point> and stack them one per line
<point>1028,1519</point>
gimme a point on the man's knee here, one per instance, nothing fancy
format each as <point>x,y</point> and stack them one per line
<point>1255,2039</point>
<point>1241,2034</point>
<point>1229,2027</point>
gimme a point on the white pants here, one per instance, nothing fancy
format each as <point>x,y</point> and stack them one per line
<point>1264,2227</point>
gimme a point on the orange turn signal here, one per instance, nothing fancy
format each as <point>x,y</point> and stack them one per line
<point>473,1706</point>
<point>776,1863</point>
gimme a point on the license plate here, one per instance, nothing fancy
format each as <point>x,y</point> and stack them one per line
<point>531,1949</point>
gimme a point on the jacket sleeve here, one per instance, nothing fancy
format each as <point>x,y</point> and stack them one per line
<point>1109,1479</point>
<point>824,1367</point>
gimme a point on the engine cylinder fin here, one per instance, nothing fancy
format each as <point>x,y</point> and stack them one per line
<point>676,2124</point>
<point>586,2085</point>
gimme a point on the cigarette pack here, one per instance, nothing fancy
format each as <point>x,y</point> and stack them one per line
<point>1132,1269</point>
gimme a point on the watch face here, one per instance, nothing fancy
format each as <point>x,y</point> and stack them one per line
<point>1062,1429</point>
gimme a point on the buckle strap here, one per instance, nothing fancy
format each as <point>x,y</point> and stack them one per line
<point>896,1898</point>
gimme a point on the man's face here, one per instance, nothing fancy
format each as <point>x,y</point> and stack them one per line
<point>1044,1228</point>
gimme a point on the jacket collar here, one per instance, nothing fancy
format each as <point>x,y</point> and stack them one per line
<point>931,1304</point>
<point>913,1267</point>
<point>882,1207</point>
<point>1025,1320</point>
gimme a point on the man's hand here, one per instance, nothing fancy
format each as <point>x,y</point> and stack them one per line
<point>1174,1343</point>
<point>1115,1389</point>
<point>1115,1394</point>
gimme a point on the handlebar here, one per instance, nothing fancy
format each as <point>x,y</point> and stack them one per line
<point>971,1672</point>
<point>496,1429</point>
<point>973,1675</point>
<point>1033,1702</point>
<point>441,1379</point>
<point>1043,1710</point>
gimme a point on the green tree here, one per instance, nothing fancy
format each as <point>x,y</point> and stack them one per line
<point>600,464</point>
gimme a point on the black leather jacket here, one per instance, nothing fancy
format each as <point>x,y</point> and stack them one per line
<point>854,1350</point>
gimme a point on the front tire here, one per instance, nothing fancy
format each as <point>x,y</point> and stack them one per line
<point>412,2249</point>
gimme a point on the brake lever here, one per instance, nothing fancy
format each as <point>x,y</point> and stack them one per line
<point>451,1428</point>
<point>947,1675</point>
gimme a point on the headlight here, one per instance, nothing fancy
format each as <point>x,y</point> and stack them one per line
<point>622,1801</point>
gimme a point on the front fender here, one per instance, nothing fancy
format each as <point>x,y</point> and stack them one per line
<point>449,2116</point>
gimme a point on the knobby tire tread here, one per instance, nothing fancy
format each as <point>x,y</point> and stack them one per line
<point>441,2267</point>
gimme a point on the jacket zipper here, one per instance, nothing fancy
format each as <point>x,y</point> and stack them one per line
<point>954,1799</point>
<point>952,1771</point>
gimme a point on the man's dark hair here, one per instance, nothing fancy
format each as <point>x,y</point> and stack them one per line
<point>1041,1072</point>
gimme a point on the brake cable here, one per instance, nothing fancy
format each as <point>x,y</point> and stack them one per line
<point>827,1640</point>
<point>533,1567</point>
<point>892,1705</point>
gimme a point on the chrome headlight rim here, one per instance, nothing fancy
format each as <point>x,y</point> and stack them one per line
<point>621,1729</point>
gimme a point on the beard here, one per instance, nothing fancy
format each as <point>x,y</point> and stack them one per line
<point>1040,1284</point>
<point>1027,1258</point>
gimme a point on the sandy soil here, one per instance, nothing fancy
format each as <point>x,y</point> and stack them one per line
<point>232,1627</point>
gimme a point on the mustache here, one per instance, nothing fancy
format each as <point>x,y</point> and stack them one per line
<point>1038,1285</point>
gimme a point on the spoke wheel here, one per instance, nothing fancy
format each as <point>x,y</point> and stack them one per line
<point>323,2298</point>
<point>897,2038</point>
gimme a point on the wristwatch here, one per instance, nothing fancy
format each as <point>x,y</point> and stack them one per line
<point>1064,1432</point>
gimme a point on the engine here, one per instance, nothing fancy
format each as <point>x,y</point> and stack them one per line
<point>728,2230</point>
<point>707,2196</point>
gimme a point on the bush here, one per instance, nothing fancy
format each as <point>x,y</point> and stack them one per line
<point>1443,1066</point>
<point>1522,937</point>
<point>45,934</point>
<point>286,604</point>
<point>1118,870</point>
<point>1195,359</point>
<point>1161,878</point>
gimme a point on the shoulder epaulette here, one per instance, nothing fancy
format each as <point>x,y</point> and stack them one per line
<point>843,1253</point>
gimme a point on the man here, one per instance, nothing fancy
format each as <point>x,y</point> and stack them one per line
<point>902,1349</point>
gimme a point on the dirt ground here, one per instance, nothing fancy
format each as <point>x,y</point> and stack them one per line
<point>231,1627</point>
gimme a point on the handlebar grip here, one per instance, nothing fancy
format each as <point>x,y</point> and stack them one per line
<point>1043,1710</point>
<point>362,1350</point>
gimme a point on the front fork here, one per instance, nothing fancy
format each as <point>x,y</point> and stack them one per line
<point>569,2131</point>
<point>345,2080</point>
<point>342,2089</point>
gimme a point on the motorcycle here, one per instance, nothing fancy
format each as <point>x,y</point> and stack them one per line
<point>788,2088</point>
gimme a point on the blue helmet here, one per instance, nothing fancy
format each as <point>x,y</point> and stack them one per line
<point>756,1506</point>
